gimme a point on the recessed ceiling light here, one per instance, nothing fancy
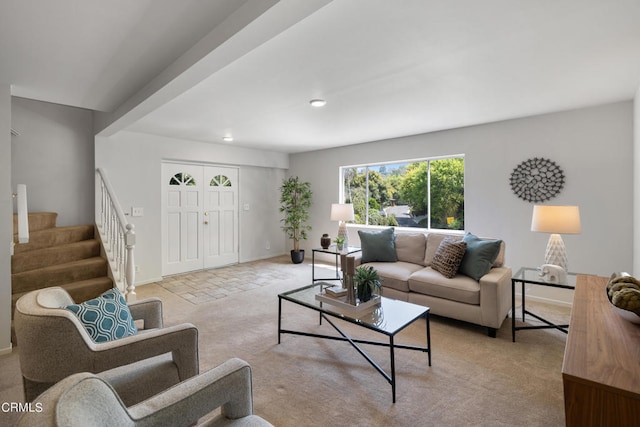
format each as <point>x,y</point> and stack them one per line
<point>318,103</point>
<point>227,138</point>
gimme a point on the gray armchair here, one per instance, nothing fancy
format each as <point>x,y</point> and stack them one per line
<point>86,400</point>
<point>53,344</point>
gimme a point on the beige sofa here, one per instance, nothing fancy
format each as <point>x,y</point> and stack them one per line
<point>411,278</point>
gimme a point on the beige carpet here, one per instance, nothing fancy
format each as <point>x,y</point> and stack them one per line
<point>473,380</point>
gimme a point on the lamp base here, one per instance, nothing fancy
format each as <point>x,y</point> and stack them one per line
<point>342,232</point>
<point>556,253</point>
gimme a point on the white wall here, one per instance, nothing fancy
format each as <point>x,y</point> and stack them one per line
<point>53,156</point>
<point>6,218</point>
<point>133,164</point>
<point>593,146</point>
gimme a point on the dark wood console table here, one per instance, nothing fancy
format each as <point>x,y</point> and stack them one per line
<point>601,367</point>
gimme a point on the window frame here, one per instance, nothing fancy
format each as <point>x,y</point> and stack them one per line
<point>367,166</point>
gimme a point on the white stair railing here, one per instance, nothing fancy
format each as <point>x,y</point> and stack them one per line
<point>117,235</point>
<point>23,213</point>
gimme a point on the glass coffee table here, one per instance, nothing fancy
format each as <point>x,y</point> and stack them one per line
<point>389,318</point>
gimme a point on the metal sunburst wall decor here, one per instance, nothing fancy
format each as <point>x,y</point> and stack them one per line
<point>537,180</point>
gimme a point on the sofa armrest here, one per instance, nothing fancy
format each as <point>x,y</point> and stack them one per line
<point>227,385</point>
<point>149,311</point>
<point>495,296</point>
<point>180,340</point>
<point>357,258</point>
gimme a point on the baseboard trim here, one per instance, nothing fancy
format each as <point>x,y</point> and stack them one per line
<point>146,282</point>
<point>545,300</point>
<point>260,258</point>
<point>6,350</point>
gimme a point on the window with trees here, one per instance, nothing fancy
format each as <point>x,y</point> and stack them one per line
<point>423,193</point>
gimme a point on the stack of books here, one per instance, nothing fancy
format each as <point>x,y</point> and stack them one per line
<point>335,291</point>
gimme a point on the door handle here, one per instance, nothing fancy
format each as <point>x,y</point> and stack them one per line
<point>206,222</point>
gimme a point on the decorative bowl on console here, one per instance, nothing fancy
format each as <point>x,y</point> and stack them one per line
<point>623,291</point>
<point>627,315</point>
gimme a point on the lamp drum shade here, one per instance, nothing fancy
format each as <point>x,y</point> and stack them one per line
<point>342,212</point>
<point>556,219</point>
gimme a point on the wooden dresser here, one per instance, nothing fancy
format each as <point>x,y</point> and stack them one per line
<point>601,367</point>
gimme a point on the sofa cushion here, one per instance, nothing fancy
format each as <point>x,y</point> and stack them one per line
<point>479,256</point>
<point>411,247</point>
<point>395,275</point>
<point>378,246</point>
<point>106,317</point>
<point>448,257</point>
<point>433,242</point>
<point>460,288</point>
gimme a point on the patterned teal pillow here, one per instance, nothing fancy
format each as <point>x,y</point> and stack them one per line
<point>105,318</point>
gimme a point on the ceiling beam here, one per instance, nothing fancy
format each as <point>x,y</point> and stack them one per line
<point>255,23</point>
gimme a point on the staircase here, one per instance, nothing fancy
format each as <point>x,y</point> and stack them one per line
<point>68,257</point>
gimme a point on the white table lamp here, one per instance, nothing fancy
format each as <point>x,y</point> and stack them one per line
<point>342,212</point>
<point>556,220</point>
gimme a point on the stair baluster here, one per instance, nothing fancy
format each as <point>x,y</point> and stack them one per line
<point>117,235</point>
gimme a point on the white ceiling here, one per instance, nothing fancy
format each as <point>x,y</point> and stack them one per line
<point>200,70</point>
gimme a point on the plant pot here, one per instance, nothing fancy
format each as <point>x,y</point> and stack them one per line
<point>364,293</point>
<point>297,257</point>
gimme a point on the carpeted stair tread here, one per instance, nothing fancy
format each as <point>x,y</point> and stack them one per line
<point>88,289</point>
<point>37,221</point>
<point>54,236</point>
<point>57,275</point>
<point>40,258</point>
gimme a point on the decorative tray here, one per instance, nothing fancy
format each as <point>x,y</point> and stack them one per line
<point>342,302</point>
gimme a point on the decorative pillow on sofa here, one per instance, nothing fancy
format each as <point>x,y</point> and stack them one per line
<point>448,257</point>
<point>378,245</point>
<point>106,317</point>
<point>410,247</point>
<point>479,257</point>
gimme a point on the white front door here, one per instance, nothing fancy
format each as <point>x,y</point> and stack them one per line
<point>199,218</point>
<point>220,216</point>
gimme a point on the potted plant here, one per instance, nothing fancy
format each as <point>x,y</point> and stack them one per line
<point>339,241</point>
<point>295,201</point>
<point>367,280</point>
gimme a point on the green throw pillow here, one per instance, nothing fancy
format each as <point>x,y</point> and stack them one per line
<point>479,257</point>
<point>106,317</point>
<point>378,245</point>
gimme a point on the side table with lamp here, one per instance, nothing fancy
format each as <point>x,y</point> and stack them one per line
<point>555,220</point>
<point>341,212</point>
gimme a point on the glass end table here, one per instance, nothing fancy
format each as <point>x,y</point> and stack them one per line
<point>532,276</point>
<point>333,250</point>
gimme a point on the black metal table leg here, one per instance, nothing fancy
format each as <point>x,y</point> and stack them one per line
<point>523,299</point>
<point>427,316</point>
<point>279,318</point>
<point>393,368</point>
<point>513,311</point>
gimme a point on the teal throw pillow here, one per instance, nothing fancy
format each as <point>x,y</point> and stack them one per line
<point>479,256</point>
<point>378,245</point>
<point>106,317</point>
